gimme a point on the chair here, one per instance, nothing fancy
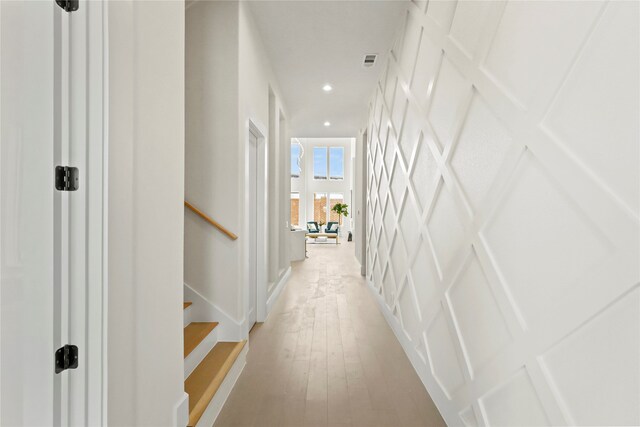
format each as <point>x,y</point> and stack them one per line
<point>328,228</point>
<point>313,227</point>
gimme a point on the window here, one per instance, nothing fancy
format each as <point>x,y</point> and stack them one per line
<point>328,163</point>
<point>320,207</point>
<point>333,199</point>
<point>296,150</point>
<point>336,163</point>
<point>295,208</point>
<point>319,162</point>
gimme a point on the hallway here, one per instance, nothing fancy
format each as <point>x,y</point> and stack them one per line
<point>326,356</point>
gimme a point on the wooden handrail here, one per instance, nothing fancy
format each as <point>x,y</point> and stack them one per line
<point>210,220</point>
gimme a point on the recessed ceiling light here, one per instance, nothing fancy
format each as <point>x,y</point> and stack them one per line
<point>327,123</point>
<point>327,87</point>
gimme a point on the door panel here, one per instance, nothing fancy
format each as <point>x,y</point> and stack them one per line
<point>51,259</point>
<point>253,228</point>
<point>26,213</point>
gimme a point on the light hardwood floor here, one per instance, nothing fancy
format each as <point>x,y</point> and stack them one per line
<point>326,357</point>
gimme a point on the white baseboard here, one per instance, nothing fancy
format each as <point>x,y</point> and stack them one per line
<point>186,317</point>
<point>205,311</point>
<point>215,406</point>
<point>278,290</point>
<point>181,411</point>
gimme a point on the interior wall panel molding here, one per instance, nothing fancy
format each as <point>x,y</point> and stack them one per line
<point>503,201</point>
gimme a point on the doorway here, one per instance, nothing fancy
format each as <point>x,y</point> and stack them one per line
<point>256,225</point>
<point>52,256</point>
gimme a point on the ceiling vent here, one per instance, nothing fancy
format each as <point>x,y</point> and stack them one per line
<point>370,60</point>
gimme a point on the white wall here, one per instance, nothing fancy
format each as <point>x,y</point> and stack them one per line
<point>307,186</point>
<point>212,152</point>
<point>228,79</point>
<point>146,168</point>
<point>257,82</point>
<point>504,209</point>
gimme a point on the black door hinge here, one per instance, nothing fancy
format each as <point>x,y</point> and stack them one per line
<point>66,358</point>
<point>67,178</point>
<point>68,5</point>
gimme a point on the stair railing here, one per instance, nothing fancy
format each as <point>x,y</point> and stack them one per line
<point>210,220</point>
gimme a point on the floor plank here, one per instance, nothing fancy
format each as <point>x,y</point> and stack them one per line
<point>326,357</point>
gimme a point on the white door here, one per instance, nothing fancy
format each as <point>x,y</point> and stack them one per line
<point>48,256</point>
<point>253,228</point>
<point>26,213</point>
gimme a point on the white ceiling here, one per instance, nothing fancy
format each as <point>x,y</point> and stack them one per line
<point>310,43</point>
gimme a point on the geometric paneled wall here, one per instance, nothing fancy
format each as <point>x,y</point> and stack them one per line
<point>503,208</point>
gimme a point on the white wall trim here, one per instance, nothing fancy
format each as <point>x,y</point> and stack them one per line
<point>256,128</point>
<point>215,406</point>
<point>204,310</point>
<point>277,290</point>
<point>181,411</point>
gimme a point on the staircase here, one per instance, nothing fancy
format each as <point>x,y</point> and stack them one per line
<point>210,368</point>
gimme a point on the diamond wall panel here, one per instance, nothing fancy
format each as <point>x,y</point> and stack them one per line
<point>480,151</point>
<point>410,133</point>
<point>468,418</point>
<point>398,185</point>
<point>483,330</point>
<point>425,277</point>
<point>390,88</point>
<point>442,353</point>
<point>410,319</point>
<point>427,66</point>
<point>410,228</point>
<point>398,109</point>
<point>412,33</point>
<point>388,288</point>
<point>469,22</point>
<point>504,208</point>
<point>442,13</point>
<point>449,97</point>
<point>535,43</point>
<point>446,230</point>
<point>390,151</point>
<point>515,403</point>
<point>389,220</point>
<point>383,186</point>
<point>383,253</point>
<point>611,341</point>
<point>424,175</point>
<point>549,228</point>
<point>398,259</point>
<point>588,122</point>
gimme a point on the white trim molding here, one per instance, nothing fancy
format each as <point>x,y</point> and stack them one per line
<point>181,411</point>
<point>278,288</point>
<point>215,406</point>
<point>229,329</point>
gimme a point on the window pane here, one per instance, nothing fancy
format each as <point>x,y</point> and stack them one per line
<point>295,158</point>
<point>320,162</point>
<point>320,207</point>
<point>333,199</point>
<point>336,163</point>
<point>295,209</point>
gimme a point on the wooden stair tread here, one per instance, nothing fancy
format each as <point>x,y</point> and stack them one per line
<point>205,380</point>
<point>186,304</point>
<point>194,333</point>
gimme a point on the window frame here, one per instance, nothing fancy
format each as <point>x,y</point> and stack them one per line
<point>327,150</point>
<point>335,147</point>
<point>298,162</point>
